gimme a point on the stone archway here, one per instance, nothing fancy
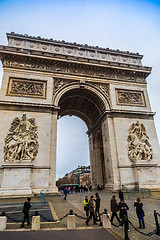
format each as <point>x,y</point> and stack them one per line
<point>88,104</point>
<point>44,79</point>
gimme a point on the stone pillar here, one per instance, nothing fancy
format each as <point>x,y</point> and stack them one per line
<point>71,222</point>
<point>53,146</point>
<point>106,221</point>
<point>3,222</point>
<point>35,223</point>
<point>110,155</point>
<point>92,161</point>
<point>98,160</point>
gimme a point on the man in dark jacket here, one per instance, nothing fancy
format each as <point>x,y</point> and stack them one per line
<point>114,209</point>
<point>91,210</point>
<point>97,200</point>
<point>26,207</point>
<point>122,206</point>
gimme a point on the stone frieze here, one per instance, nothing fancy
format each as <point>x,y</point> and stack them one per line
<point>25,87</point>
<point>119,75</point>
<point>129,97</point>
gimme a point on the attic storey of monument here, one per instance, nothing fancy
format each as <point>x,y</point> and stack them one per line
<point>45,79</point>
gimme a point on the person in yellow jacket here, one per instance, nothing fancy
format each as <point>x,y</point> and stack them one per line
<point>86,206</point>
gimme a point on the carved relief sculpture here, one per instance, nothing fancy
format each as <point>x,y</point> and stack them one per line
<point>58,83</point>
<point>21,143</point>
<point>27,87</point>
<point>80,70</point>
<point>139,147</point>
<point>129,97</point>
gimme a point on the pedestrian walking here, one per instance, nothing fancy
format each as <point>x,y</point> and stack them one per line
<point>26,207</point>
<point>91,211</point>
<point>140,213</point>
<point>86,206</point>
<point>65,193</point>
<point>122,206</point>
<point>114,208</point>
<point>121,195</point>
<point>97,213</point>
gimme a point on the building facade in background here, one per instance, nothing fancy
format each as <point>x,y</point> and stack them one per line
<point>44,80</point>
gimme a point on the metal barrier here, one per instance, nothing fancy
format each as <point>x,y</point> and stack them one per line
<point>125,221</point>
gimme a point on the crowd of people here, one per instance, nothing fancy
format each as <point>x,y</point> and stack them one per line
<point>77,188</point>
<point>92,210</point>
<point>92,207</point>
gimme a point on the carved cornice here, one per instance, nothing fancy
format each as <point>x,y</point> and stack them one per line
<point>115,113</point>
<point>28,107</point>
<point>111,72</point>
<point>72,49</point>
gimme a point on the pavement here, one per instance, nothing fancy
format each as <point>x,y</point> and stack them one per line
<point>56,207</point>
<point>93,234</point>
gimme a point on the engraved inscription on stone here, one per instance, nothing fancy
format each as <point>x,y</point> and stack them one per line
<point>139,147</point>
<point>21,142</point>
<point>27,87</point>
<point>129,97</point>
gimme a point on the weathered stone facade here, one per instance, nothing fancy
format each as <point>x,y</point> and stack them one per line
<point>47,79</point>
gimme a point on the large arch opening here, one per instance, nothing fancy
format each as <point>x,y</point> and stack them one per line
<point>82,103</point>
<point>89,107</point>
<point>71,139</point>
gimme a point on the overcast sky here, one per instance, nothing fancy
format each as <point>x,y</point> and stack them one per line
<point>118,24</point>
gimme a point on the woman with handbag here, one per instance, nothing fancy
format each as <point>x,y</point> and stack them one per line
<point>140,213</point>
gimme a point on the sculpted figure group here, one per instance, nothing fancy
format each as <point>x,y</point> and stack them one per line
<point>139,147</point>
<point>21,143</point>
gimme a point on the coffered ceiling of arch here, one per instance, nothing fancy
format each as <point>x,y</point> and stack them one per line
<point>81,103</point>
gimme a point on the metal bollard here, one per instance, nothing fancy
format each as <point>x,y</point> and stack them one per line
<point>35,223</point>
<point>3,222</point>
<point>125,222</point>
<point>157,224</point>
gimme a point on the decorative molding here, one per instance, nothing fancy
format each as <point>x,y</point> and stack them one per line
<point>26,87</point>
<point>73,49</point>
<point>21,143</point>
<point>78,70</point>
<point>60,82</point>
<point>130,97</point>
<point>139,148</point>
<point>104,88</point>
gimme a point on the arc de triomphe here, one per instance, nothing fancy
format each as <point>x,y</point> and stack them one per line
<point>43,80</point>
